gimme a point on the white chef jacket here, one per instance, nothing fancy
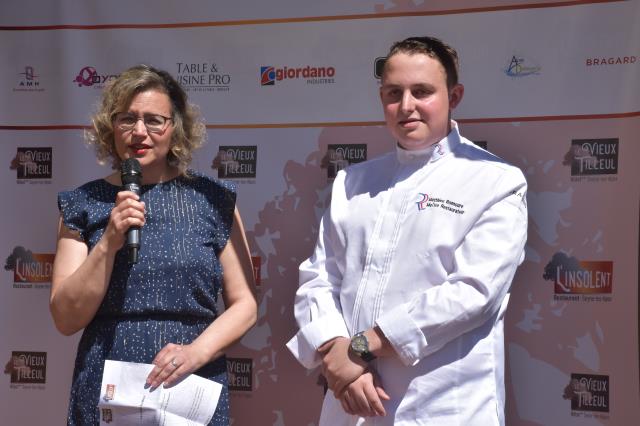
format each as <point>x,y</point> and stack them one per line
<point>423,244</point>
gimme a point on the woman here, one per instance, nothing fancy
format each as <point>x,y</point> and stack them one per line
<point>160,310</point>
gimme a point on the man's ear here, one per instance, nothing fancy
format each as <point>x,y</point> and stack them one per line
<point>455,95</point>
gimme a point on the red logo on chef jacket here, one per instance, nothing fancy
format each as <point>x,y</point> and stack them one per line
<point>424,199</point>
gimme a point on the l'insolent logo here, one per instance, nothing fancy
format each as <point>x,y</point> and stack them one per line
<point>591,281</point>
<point>30,269</point>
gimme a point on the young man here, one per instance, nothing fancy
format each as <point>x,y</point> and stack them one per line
<point>403,300</point>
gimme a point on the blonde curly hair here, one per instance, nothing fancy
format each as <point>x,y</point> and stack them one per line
<point>189,131</point>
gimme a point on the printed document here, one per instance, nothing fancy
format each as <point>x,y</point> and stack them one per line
<point>126,400</point>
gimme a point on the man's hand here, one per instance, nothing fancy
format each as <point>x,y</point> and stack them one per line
<point>339,366</point>
<point>363,397</point>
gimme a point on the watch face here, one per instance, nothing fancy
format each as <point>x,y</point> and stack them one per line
<point>359,344</point>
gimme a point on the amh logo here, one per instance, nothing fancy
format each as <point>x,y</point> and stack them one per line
<point>29,82</point>
<point>29,73</point>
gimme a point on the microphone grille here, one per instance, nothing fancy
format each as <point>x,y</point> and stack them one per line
<point>131,172</point>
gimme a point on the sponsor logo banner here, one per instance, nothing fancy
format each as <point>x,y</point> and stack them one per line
<point>611,60</point>
<point>90,77</point>
<point>340,156</point>
<point>588,157</point>
<point>27,367</point>
<point>579,279</point>
<point>269,75</point>
<point>240,371</point>
<point>588,392</point>
<point>236,162</point>
<point>519,66</point>
<point>203,77</point>
<point>29,81</point>
<point>33,163</point>
<point>30,269</point>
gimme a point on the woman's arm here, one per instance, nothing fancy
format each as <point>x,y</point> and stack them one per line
<point>81,278</point>
<point>241,310</point>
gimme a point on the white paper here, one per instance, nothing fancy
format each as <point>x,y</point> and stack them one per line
<point>126,400</point>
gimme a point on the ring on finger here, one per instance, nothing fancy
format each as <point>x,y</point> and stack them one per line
<point>174,363</point>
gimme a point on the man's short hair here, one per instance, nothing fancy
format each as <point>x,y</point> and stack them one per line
<point>432,47</point>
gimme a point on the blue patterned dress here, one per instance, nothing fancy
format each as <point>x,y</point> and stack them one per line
<point>169,296</point>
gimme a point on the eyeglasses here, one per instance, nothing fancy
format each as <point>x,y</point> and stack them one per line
<point>154,123</point>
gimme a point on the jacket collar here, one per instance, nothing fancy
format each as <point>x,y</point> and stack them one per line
<point>432,153</point>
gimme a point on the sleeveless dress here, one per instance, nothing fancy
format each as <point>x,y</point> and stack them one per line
<point>169,296</point>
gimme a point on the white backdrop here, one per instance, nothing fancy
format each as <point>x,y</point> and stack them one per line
<point>550,86</point>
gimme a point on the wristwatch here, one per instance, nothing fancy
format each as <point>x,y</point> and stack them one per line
<point>360,346</point>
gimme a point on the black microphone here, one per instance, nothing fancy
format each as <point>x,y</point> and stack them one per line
<point>131,175</point>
